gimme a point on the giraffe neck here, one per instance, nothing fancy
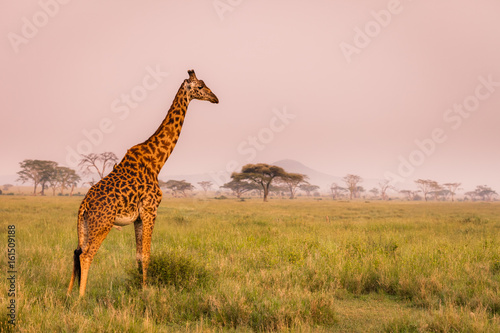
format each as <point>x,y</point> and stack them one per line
<point>154,152</point>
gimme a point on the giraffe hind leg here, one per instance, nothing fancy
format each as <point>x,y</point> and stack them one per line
<point>88,254</point>
<point>82,229</point>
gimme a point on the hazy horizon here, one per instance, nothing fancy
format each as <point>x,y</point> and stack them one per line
<point>384,89</point>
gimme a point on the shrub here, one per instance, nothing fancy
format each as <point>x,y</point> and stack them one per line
<point>173,269</point>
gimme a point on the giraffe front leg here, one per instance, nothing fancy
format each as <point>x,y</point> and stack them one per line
<point>147,214</point>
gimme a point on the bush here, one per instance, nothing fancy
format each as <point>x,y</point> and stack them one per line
<point>173,269</point>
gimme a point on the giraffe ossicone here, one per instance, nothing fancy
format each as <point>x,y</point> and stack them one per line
<point>130,193</point>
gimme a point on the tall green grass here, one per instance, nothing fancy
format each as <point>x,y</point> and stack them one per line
<point>276,266</point>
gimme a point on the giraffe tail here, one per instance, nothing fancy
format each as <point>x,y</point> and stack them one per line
<point>77,268</point>
<point>82,241</point>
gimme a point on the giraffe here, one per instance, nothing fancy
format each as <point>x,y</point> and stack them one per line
<point>130,193</point>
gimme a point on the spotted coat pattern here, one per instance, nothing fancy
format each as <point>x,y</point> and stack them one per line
<point>130,193</point>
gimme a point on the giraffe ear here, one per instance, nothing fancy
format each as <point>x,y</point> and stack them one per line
<point>192,75</point>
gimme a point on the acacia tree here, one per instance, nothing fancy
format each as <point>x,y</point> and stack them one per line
<point>485,192</point>
<point>374,191</point>
<point>426,186</point>
<point>452,188</point>
<point>337,190</point>
<point>351,182</point>
<point>410,195</point>
<point>54,180</point>
<point>37,171</point>
<point>7,187</point>
<point>279,190</point>
<point>178,187</point>
<point>482,191</point>
<point>98,162</point>
<point>68,178</point>
<point>384,186</point>
<point>239,187</point>
<point>471,194</point>
<point>261,174</point>
<point>205,185</point>
<point>438,191</point>
<point>308,188</point>
<point>292,181</point>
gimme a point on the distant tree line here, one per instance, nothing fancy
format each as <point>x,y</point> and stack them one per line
<point>432,190</point>
<point>260,179</point>
<point>426,190</point>
<point>48,174</point>
<point>44,174</point>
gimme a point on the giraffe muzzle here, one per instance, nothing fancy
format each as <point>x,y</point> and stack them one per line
<point>213,98</point>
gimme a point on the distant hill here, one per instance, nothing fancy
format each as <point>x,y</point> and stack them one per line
<point>323,180</point>
<point>194,179</point>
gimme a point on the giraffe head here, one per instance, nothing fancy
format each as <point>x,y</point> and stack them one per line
<point>196,89</point>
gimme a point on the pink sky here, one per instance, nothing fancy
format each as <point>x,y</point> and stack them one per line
<point>341,86</point>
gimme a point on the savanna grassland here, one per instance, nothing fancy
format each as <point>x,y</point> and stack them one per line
<point>253,266</point>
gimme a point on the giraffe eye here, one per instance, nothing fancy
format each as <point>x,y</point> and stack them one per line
<point>200,87</point>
